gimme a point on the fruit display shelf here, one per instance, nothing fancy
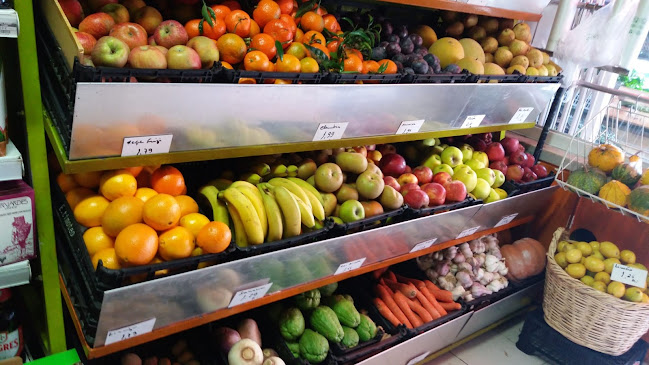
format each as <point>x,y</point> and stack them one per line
<point>206,295</point>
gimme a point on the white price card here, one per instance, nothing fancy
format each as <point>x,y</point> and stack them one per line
<point>468,232</point>
<point>423,245</point>
<point>472,121</point>
<point>418,358</point>
<point>329,131</point>
<point>506,219</point>
<point>9,24</point>
<point>127,332</point>
<point>349,266</point>
<point>629,275</point>
<point>247,295</point>
<point>521,115</point>
<point>146,145</point>
<point>410,126</point>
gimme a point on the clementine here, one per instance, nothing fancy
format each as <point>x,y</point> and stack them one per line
<point>96,240</point>
<point>66,182</point>
<point>145,194</point>
<point>288,63</point>
<point>214,237</point>
<point>254,28</point>
<point>161,212</point>
<point>187,205</point>
<point>121,213</point>
<point>76,195</point>
<point>285,6</point>
<point>90,210</point>
<point>312,21</point>
<point>232,4</point>
<point>279,30</point>
<point>168,180</point>
<point>264,43</point>
<point>311,37</point>
<point>221,11</point>
<point>353,64</point>
<point>136,244</point>
<point>108,259</point>
<point>297,49</point>
<point>266,11</point>
<point>232,48</point>
<point>238,22</point>
<point>391,66</point>
<point>256,61</point>
<point>309,65</point>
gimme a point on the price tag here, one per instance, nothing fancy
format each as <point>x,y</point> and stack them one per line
<point>506,219</point>
<point>521,115</point>
<point>330,131</point>
<point>468,232</point>
<point>472,121</point>
<point>146,145</point>
<point>418,358</point>
<point>9,25</point>
<point>629,275</point>
<point>410,126</point>
<point>423,245</point>
<point>127,332</point>
<point>349,266</point>
<point>247,295</point>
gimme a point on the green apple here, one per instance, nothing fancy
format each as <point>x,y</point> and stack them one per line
<point>458,167</point>
<point>493,196</point>
<point>500,179</point>
<point>351,162</point>
<point>467,152</point>
<point>482,189</point>
<point>481,156</point>
<point>352,211</point>
<point>443,168</point>
<point>466,176</point>
<point>502,193</point>
<point>437,150</point>
<point>328,177</point>
<point>452,156</point>
<point>474,164</point>
<point>428,142</point>
<point>369,185</point>
<point>432,161</point>
<point>487,174</point>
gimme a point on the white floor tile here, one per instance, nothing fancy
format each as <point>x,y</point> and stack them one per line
<point>511,330</point>
<point>494,349</point>
<point>446,359</point>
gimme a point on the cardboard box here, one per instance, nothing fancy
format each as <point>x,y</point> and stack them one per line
<point>17,222</point>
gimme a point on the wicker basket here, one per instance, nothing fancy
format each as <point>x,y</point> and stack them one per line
<point>586,316</point>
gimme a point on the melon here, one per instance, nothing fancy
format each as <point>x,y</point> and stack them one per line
<point>639,200</point>
<point>472,49</point>
<point>605,157</point>
<point>627,173</point>
<point>448,50</point>
<point>587,179</point>
<point>615,192</point>
<point>472,65</point>
<point>493,69</point>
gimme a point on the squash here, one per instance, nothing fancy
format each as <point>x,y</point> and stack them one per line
<point>615,192</point>
<point>639,200</point>
<point>605,157</point>
<point>587,179</point>
<point>628,173</point>
<point>644,180</point>
<point>524,258</point>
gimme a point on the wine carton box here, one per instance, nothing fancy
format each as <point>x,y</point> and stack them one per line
<point>17,222</point>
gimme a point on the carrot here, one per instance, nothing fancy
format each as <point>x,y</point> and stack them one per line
<point>430,285</point>
<point>382,282</point>
<point>408,291</point>
<point>386,295</point>
<point>427,305</point>
<point>404,305</point>
<point>386,312</point>
<point>451,306</point>
<point>390,275</point>
<point>431,298</point>
<point>421,311</point>
<point>403,279</point>
<point>376,274</point>
<point>443,296</point>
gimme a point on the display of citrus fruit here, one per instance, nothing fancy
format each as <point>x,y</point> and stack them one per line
<point>145,194</point>
<point>136,244</point>
<point>232,48</point>
<point>616,289</point>
<point>312,21</point>
<point>121,213</point>
<point>176,243</point>
<point>264,43</point>
<point>108,259</point>
<point>117,184</point>
<point>75,195</point>
<point>90,210</point>
<point>256,61</point>
<point>168,180</point>
<point>288,63</point>
<point>66,182</point>
<point>161,212</point>
<point>238,22</point>
<point>266,11</point>
<point>187,205</point>
<point>309,65</point>
<point>88,180</point>
<point>214,237</point>
<point>96,240</point>
<point>194,222</point>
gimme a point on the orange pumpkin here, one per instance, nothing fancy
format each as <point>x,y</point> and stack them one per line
<point>605,157</point>
<point>524,258</point>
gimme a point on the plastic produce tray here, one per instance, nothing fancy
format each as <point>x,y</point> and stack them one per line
<point>302,239</point>
<point>350,78</point>
<point>412,213</point>
<point>234,76</point>
<point>514,188</point>
<point>376,221</point>
<point>436,79</point>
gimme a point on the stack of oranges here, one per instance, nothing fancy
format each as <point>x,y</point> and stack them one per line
<point>251,42</point>
<point>141,215</point>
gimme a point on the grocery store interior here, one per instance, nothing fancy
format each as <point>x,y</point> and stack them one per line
<point>270,182</point>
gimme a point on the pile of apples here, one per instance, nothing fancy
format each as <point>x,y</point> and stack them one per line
<point>509,157</point>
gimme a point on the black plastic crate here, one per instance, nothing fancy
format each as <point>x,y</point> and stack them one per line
<point>412,213</point>
<point>226,75</point>
<point>513,188</point>
<point>376,221</point>
<point>302,239</point>
<point>437,79</point>
<point>542,79</point>
<point>352,78</point>
<point>539,339</point>
<point>513,78</point>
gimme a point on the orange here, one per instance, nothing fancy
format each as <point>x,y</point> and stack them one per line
<point>96,240</point>
<point>214,32</point>
<point>312,21</point>
<point>232,48</point>
<point>176,243</point>
<point>288,63</point>
<point>116,184</point>
<point>226,65</point>
<point>321,47</point>
<point>247,80</point>
<point>135,171</point>
<point>214,237</point>
<point>299,33</point>
<point>330,23</point>
<point>282,82</point>
<point>88,180</point>
<point>355,52</point>
<point>187,205</point>
<point>392,67</point>
<point>238,22</point>
<point>66,182</point>
<point>254,28</point>
<point>312,37</point>
<point>145,194</point>
<point>266,11</point>
<point>121,213</point>
<point>136,244</point>
<point>194,222</point>
<point>309,65</point>
<point>108,259</point>
<point>76,195</point>
<point>232,4</point>
<point>90,210</point>
<point>370,67</point>
<point>168,180</point>
<point>264,43</point>
<point>353,64</point>
<point>289,21</point>
<point>297,49</point>
<point>320,10</point>
<point>161,212</point>
<point>191,27</point>
<point>333,45</point>
<point>279,30</point>
<point>221,11</point>
<point>285,6</point>
<point>256,61</point>
<point>144,178</point>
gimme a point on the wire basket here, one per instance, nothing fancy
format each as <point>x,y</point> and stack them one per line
<point>620,126</point>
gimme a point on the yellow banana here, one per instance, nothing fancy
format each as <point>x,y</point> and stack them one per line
<point>239,231</point>
<point>219,210</point>
<point>292,187</point>
<point>249,217</point>
<point>278,170</point>
<point>251,178</point>
<point>306,215</point>
<point>273,214</point>
<point>251,192</point>
<point>291,170</point>
<point>317,204</point>
<point>290,212</point>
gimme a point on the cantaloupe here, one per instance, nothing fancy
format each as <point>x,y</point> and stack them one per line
<point>448,50</point>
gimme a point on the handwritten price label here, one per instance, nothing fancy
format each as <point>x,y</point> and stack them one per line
<point>349,266</point>
<point>410,126</point>
<point>418,358</point>
<point>521,115</point>
<point>506,219</point>
<point>127,332</point>
<point>146,145</point>
<point>629,275</point>
<point>472,121</point>
<point>247,295</point>
<point>330,131</point>
<point>423,245</point>
<point>468,232</point>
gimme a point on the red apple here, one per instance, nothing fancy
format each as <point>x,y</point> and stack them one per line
<point>73,11</point>
<point>487,137</point>
<point>151,41</point>
<point>162,49</point>
<point>147,57</point>
<point>436,193</point>
<point>170,33</point>
<point>510,145</point>
<point>374,155</point>
<point>478,144</point>
<point>455,191</point>
<point>391,181</point>
<point>506,160</point>
<point>133,5</point>
<point>95,5</point>
<point>183,58</point>
<point>528,175</point>
<point>442,178</point>
<point>499,165</point>
<point>495,152</point>
<point>87,41</point>
<point>148,17</point>
<point>392,164</point>
<point>361,149</point>
<point>97,24</point>
<point>408,187</point>
<point>130,33</point>
<point>540,171</point>
<point>408,170</point>
<point>387,149</point>
<point>530,160</point>
<point>514,172</point>
<point>117,11</point>
<point>407,178</point>
<point>424,174</point>
<point>521,148</point>
<point>372,208</point>
<point>416,199</point>
<point>206,49</point>
<point>518,158</point>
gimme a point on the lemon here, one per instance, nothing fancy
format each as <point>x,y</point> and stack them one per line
<point>573,256</point>
<point>638,266</point>
<point>609,250</point>
<point>645,298</point>
<point>561,246</point>
<point>594,245</point>
<point>568,247</point>
<point>597,254</point>
<point>560,258</point>
<point>594,264</point>
<point>598,285</point>
<point>633,294</point>
<point>608,264</point>
<point>616,289</point>
<point>577,271</point>
<point>627,257</point>
<point>588,280</point>
<point>585,248</point>
<point>603,276</point>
